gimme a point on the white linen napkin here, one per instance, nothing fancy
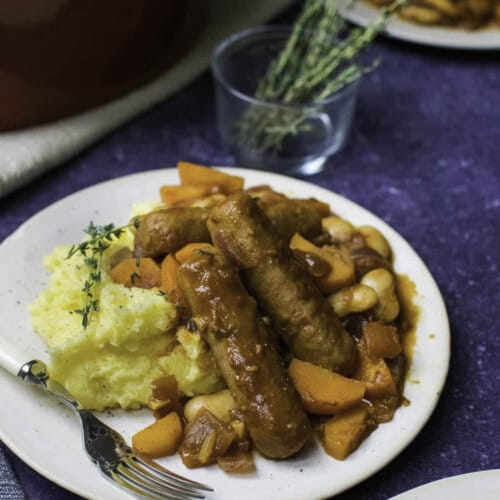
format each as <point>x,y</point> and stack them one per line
<point>26,154</point>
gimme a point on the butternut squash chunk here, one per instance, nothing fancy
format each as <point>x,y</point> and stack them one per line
<point>185,252</point>
<point>342,434</point>
<point>342,270</point>
<point>174,195</point>
<point>192,174</point>
<point>128,273</point>
<point>381,341</point>
<point>121,254</point>
<point>324,392</point>
<point>375,374</point>
<point>168,279</point>
<point>161,438</point>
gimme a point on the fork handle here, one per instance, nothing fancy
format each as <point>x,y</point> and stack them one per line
<point>34,372</point>
<point>8,359</point>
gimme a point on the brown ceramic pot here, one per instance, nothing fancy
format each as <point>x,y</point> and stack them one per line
<point>60,57</point>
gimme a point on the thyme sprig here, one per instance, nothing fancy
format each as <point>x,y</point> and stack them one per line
<point>318,59</point>
<point>91,249</point>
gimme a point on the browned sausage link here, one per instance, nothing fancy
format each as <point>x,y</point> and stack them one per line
<point>291,216</point>
<point>283,288</point>
<point>168,230</point>
<point>227,318</point>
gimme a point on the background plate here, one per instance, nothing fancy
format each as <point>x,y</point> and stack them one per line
<point>487,39</point>
<point>47,436</point>
<point>483,484</point>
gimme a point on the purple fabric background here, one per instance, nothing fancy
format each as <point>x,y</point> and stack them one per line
<point>424,156</point>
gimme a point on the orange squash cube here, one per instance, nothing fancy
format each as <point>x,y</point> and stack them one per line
<point>322,391</point>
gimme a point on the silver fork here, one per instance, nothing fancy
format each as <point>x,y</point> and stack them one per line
<point>136,473</point>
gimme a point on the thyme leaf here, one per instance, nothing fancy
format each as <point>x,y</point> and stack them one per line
<point>91,249</point>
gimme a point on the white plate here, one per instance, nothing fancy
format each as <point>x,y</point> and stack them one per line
<point>363,14</point>
<point>482,484</point>
<point>47,436</point>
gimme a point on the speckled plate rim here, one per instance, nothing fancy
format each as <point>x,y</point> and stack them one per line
<point>436,36</point>
<point>47,436</point>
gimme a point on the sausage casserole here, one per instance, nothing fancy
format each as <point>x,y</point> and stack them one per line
<point>295,310</point>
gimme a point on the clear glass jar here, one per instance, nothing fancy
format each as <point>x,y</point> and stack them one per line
<point>292,139</point>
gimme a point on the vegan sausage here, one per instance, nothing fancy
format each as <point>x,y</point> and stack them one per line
<point>226,316</point>
<point>284,289</point>
<point>292,215</point>
<point>168,230</point>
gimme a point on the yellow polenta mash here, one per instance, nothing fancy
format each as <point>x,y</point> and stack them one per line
<point>133,339</point>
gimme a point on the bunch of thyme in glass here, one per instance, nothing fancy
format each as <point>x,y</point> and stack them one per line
<point>92,249</point>
<point>318,59</point>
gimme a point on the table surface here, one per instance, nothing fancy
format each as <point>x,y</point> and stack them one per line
<point>424,155</point>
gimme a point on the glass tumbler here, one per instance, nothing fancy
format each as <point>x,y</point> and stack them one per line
<point>290,139</point>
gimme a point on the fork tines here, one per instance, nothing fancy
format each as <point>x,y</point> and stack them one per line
<point>149,479</point>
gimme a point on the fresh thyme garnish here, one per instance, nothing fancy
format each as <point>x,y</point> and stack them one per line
<point>318,59</point>
<point>92,249</point>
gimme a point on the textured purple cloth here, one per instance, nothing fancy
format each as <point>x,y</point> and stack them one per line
<point>425,156</point>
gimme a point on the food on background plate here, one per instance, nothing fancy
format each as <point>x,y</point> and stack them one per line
<point>468,14</point>
<point>243,318</point>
